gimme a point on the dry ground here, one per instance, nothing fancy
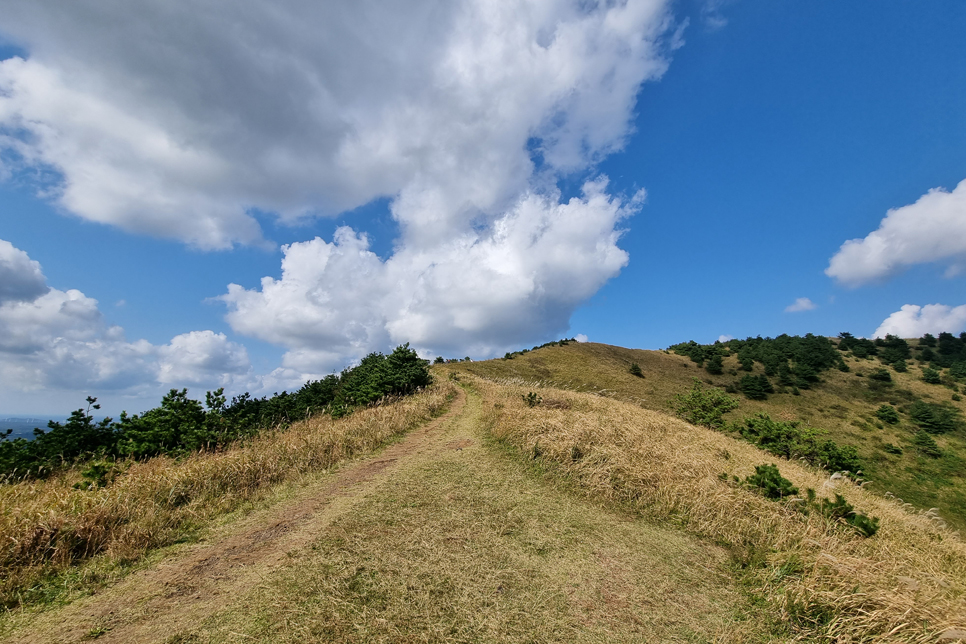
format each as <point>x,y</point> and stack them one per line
<point>442,537</point>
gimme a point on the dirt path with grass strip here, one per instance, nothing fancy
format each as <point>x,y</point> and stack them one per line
<point>442,537</point>
<point>149,605</point>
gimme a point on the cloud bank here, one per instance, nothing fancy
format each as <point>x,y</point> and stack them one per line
<point>176,119</point>
<point>912,321</point>
<point>933,229</point>
<point>59,340</point>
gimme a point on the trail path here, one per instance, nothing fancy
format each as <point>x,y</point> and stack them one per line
<point>178,593</point>
<point>437,538</point>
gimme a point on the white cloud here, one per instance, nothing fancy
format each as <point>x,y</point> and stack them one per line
<point>171,119</point>
<point>912,321</point>
<point>931,230</point>
<point>59,341</point>
<point>176,119</point>
<point>201,357</point>
<point>580,337</point>
<point>480,293</point>
<point>725,338</point>
<point>800,304</point>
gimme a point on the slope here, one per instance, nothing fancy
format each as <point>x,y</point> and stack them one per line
<point>843,403</point>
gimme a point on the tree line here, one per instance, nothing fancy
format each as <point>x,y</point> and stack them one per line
<point>180,424</point>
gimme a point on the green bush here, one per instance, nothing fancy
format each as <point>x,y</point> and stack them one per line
<point>926,445</point>
<point>702,406</point>
<point>935,418</point>
<point>532,399</point>
<point>768,482</point>
<point>715,365</point>
<point>887,414</point>
<point>755,387</point>
<point>931,376</point>
<point>635,370</point>
<point>892,449</point>
<point>790,440</point>
<point>842,511</point>
<point>880,375</point>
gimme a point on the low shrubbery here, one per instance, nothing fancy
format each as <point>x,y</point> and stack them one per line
<point>792,440</point>
<point>181,425</point>
<point>701,406</point>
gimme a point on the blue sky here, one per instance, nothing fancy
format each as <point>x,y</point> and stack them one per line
<point>149,173</point>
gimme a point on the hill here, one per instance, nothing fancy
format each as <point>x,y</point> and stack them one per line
<point>500,504</point>
<point>843,403</point>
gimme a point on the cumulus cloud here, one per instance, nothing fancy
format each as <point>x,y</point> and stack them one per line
<point>59,340</point>
<point>581,337</point>
<point>479,293</point>
<point>174,119</point>
<point>725,338</point>
<point>20,277</point>
<point>933,229</point>
<point>912,321</point>
<point>800,304</point>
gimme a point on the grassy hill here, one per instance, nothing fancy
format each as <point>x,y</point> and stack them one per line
<point>842,403</point>
<point>552,496</point>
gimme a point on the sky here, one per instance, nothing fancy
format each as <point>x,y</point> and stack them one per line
<point>249,195</point>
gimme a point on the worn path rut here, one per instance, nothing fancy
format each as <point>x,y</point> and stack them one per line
<point>178,593</point>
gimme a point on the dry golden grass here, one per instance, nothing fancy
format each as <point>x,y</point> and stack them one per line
<point>843,404</point>
<point>463,544</point>
<point>46,527</point>
<point>905,584</point>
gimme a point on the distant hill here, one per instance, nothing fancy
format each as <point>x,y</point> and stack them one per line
<point>845,403</point>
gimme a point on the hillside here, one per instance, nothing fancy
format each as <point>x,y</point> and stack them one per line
<point>843,403</point>
<point>492,506</point>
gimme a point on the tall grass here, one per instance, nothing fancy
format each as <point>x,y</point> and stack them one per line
<point>905,584</point>
<point>48,526</point>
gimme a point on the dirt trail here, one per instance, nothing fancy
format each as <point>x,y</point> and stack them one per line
<point>180,592</point>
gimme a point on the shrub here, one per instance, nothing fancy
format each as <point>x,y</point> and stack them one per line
<point>532,399</point>
<point>887,414</point>
<point>755,387</point>
<point>791,440</point>
<point>926,445</point>
<point>715,366</point>
<point>935,418</point>
<point>702,406</point>
<point>900,366</point>
<point>892,449</point>
<point>931,376</point>
<point>880,375</point>
<point>842,511</point>
<point>770,483</point>
<point>635,370</point>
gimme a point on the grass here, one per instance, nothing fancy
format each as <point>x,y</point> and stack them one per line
<point>824,580</point>
<point>59,541</point>
<point>469,546</point>
<point>844,404</point>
